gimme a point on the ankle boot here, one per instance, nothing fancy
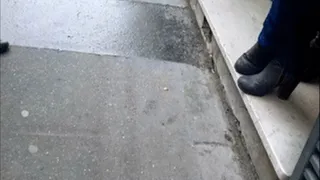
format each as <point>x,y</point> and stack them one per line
<point>4,47</point>
<point>272,76</point>
<point>254,60</point>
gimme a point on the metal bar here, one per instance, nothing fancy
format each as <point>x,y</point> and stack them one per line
<point>307,152</point>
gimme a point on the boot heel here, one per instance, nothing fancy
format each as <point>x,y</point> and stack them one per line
<point>286,89</point>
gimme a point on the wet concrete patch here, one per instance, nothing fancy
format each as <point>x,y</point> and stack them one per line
<point>122,28</point>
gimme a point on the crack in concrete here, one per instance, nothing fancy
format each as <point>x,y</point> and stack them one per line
<point>170,3</point>
<point>209,143</point>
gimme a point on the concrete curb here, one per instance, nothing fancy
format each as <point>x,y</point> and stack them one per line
<point>252,140</point>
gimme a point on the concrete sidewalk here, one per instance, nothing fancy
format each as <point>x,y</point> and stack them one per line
<point>115,106</point>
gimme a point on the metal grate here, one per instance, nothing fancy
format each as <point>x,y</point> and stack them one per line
<point>308,166</point>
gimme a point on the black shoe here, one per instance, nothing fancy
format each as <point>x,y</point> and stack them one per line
<point>254,60</point>
<point>271,77</point>
<point>4,47</point>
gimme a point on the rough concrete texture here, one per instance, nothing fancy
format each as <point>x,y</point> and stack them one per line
<point>240,117</point>
<point>78,116</point>
<point>258,154</point>
<point>71,115</point>
<point>177,3</point>
<point>126,28</point>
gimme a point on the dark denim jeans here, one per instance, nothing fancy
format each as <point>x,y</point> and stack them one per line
<point>289,27</point>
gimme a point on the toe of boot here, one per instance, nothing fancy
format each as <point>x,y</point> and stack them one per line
<point>245,67</point>
<point>248,86</point>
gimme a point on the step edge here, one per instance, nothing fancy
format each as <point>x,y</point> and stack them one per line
<point>281,173</point>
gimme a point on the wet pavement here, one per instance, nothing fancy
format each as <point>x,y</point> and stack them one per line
<point>126,28</point>
<point>111,90</point>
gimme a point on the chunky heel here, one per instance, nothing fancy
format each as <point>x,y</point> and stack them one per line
<point>286,89</point>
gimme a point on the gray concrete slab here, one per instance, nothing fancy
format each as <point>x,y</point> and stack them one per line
<point>67,115</point>
<point>117,27</point>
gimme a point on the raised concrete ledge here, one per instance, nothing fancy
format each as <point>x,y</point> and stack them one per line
<point>283,126</point>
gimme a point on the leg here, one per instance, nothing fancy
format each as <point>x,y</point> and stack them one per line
<point>278,25</point>
<point>278,34</point>
<point>289,32</point>
<point>275,33</point>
